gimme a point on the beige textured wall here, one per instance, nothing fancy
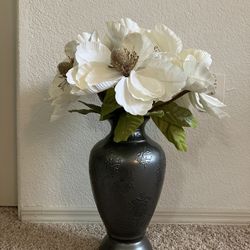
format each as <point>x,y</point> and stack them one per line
<point>8,187</point>
<point>53,158</point>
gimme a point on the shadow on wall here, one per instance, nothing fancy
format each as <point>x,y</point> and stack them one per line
<point>38,125</point>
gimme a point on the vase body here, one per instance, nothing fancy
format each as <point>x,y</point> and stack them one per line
<point>126,181</point>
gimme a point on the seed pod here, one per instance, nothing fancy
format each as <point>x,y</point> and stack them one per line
<point>119,56</point>
<point>64,67</point>
<point>124,60</point>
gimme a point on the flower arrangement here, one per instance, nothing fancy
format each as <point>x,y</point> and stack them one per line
<point>137,73</point>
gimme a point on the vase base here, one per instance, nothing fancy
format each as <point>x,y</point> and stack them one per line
<point>111,244</point>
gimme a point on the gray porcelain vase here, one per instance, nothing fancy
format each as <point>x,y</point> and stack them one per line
<point>126,181</point>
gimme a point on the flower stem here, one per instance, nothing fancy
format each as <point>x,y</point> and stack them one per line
<point>159,104</point>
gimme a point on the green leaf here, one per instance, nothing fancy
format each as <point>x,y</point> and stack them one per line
<point>83,111</point>
<point>178,115</point>
<point>126,126</point>
<point>158,113</point>
<point>109,104</point>
<point>94,107</point>
<point>177,136</point>
<point>173,133</point>
<point>101,95</point>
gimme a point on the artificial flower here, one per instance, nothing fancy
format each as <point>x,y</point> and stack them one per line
<point>137,72</point>
<point>140,79</point>
<point>196,64</point>
<point>200,82</point>
<point>60,91</point>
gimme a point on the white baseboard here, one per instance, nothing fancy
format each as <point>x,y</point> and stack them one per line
<point>187,216</point>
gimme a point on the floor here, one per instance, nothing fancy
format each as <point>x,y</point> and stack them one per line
<point>25,236</point>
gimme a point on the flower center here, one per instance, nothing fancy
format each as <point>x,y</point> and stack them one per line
<point>123,60</point>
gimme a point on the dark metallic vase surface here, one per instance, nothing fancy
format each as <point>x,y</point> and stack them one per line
<point>126,180</point>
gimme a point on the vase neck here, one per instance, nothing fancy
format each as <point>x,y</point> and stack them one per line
<point>138,135</point>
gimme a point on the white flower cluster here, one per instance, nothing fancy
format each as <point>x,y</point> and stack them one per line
<point>144,66</point>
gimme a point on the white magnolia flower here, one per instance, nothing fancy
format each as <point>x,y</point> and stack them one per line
<point>200,81</point>
<point>60,91</point>
<point>77,69</point>
<point>195,63</point>
<point>91,57</point>
<point>140,78</point>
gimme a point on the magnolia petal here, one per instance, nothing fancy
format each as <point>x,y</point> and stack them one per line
<point>75,90</point>
<point>175,81</point>
<point>172,76</point>
<point>60,98</point>
<point>130,25</point>
<point>133,42</point>
<point>93,76</point>
<point>71,75</point>
<point>164,62</point>
<point>128,102</point>
<point>199,77</point>
<point>94,37</point>
<point>116,34</point>
<point>118,30</point>
<point>212,100</point>
<point>201,56</point>
<point>139,43</point>
<point>76,77</point>
<point>107,42</point>
<point>212,105</point>
<point>144,86</point>
<point>70,49</point>
<point>195,101</point>
<point>86,36</point>
<point>101,77</point>
<point>89,51</point>
<point>83,37</point>
<point>166,39</point>
<point>189,65</point>
<point>82,72</point>
<point>54,89</point>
